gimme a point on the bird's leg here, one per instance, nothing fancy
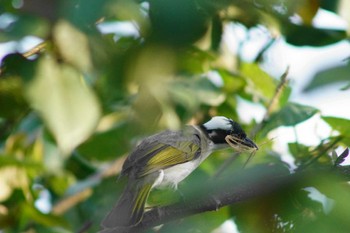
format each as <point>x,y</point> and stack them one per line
<point>182,196</point>
<point>216,201</point>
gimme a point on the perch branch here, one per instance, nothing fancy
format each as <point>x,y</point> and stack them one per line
<point>249,184</point>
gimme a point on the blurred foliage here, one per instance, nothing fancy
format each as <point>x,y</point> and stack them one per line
<point>330,76</point>
<point>73,107</point>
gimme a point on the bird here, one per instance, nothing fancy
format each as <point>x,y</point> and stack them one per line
<point>165,159</point>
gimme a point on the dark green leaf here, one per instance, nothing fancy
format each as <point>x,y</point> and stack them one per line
<point>300,152</point>
<point>107,145</point>
<point>12,101</point>
<point>330,5</point>
<point>179,22</point>
<point>80,167</point>
<point>341,157</point>
<point>84,15</point>
<point>290,115</point>
<point>312,36</point>
<point>216,33</point>
<point>95,208</point>
<point>327,77</point>
<point>25,25</point>
<point>192,92</point>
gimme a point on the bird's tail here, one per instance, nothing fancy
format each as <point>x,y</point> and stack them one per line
<point>130,207</point>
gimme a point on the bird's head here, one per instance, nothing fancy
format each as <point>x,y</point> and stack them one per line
<point>224,131</point>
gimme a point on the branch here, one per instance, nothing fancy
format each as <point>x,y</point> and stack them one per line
<point>72,200</point>
<point>243,186</point>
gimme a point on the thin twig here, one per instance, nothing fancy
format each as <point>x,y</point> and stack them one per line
<point>264,49</point>
<point>273,102</point>
<point>278,92</point>
<point>249,158</point>
<point>72,200</point>
<point>226,164</point>
<point>321,153</point>
<point>37,49</point>
<point>87,225</point>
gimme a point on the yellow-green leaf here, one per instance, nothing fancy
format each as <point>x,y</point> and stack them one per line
<point>73,45</point>
<point>12,177</point>
<point>340,124</point>
<point>67,105</point>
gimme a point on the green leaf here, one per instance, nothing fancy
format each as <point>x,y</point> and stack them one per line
<point>192,92</point>
<point>85,15</point>
<point>80,167</point>
<point>103,198</point>
<point>290,115</point>
<point>73,45</point>
<point>25,25</point>
<point>283,100</point>
<point>107,145</point>
<point>67,105</point>
<point>179,22</point>
<point>263,85</point>
<point>8,183</point>
<point>300,152</point>
<point>330,5</point>
<point>25,163</point>
<point>232,83</point>
<point>216,33</point>
<point>30,213</point>
<point>195,61</point>
<point>341,125</point>
<point>12,101</point>
<point>330,76</point>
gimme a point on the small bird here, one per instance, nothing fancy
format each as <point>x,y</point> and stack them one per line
<point>166,158</point>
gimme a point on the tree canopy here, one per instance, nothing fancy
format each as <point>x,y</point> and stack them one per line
<point>74,104</point>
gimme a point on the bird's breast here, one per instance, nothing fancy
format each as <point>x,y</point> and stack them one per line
<point>170,177</point>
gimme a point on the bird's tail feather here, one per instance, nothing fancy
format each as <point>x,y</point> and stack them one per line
<point>130,207</point>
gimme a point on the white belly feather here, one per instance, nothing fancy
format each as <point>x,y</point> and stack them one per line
<point>170,177</point>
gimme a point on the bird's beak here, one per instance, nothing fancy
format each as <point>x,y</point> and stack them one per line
<point>249,143</point>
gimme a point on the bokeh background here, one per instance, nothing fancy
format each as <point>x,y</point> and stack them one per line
<point>82,82</point>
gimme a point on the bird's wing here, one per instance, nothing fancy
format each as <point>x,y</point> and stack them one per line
<point>170,156</point>
<point>162,151</point>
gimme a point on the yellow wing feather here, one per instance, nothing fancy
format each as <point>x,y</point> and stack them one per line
<point>171,156</point>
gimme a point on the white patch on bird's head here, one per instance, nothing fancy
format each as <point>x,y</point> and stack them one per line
<point>219,122</point>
